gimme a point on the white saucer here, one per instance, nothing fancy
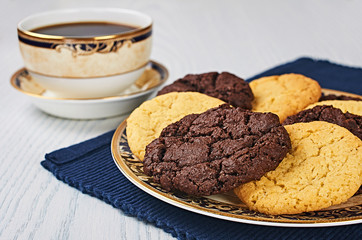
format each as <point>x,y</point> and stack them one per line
<point>92,108</point>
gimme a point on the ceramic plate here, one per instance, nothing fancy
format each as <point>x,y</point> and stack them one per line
<point>153,77</point>
<point>227,206</point>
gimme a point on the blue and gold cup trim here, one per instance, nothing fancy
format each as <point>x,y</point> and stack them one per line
<point>85,46</point>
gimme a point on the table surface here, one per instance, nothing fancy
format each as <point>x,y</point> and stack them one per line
<point>242,37</point>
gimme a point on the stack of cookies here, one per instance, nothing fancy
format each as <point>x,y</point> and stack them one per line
<point>281,146</point>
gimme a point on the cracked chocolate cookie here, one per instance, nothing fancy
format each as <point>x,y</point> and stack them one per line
<point>354,107</point>
<point>224,86</point>
<point>147,121</point>
<point>329,114</point>
<point>216,151</point>
<point>338,97</point>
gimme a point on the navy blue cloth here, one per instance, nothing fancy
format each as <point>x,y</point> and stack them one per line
<point>89,167</point>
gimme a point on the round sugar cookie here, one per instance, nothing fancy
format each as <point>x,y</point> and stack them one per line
<point>354,107</point>
<point>284,95</point>
<point>147,121</point>
<point>322,169</point>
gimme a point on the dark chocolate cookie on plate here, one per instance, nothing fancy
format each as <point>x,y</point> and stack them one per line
<point>225,86</point>
<point>329,114</point>
<point>327,97</point>
<point>216,151</point>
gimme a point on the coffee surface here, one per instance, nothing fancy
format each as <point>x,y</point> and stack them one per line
<point>84,29</point>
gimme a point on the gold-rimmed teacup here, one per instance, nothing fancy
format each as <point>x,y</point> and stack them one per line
<point>65,64</point>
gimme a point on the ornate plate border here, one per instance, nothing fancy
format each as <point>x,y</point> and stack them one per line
<point>132,168</point>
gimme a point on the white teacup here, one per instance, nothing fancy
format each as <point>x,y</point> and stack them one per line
<point>59,62</point>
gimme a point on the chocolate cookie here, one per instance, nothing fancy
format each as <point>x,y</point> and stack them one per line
<point>351,106</point>
<point>329,114</point>
<point>339,97</point>
<point>216,151</point>
<point>147,121</point>
<point>224,86</point>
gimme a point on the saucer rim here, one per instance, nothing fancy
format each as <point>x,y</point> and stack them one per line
<point>151,63</point>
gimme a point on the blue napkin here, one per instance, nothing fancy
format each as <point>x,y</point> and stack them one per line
<point>89,167</point>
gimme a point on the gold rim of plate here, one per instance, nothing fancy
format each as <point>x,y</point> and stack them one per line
<point>227,206</point>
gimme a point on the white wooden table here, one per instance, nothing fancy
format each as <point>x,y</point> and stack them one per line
<point>243,37</point>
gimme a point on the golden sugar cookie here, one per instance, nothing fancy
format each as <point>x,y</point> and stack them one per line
<point>354,107</point>
<point>284,95</point>
<point>322,169</point>
<point>147,121</point>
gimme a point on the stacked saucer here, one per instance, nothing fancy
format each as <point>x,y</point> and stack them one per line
<point>125,101</point>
